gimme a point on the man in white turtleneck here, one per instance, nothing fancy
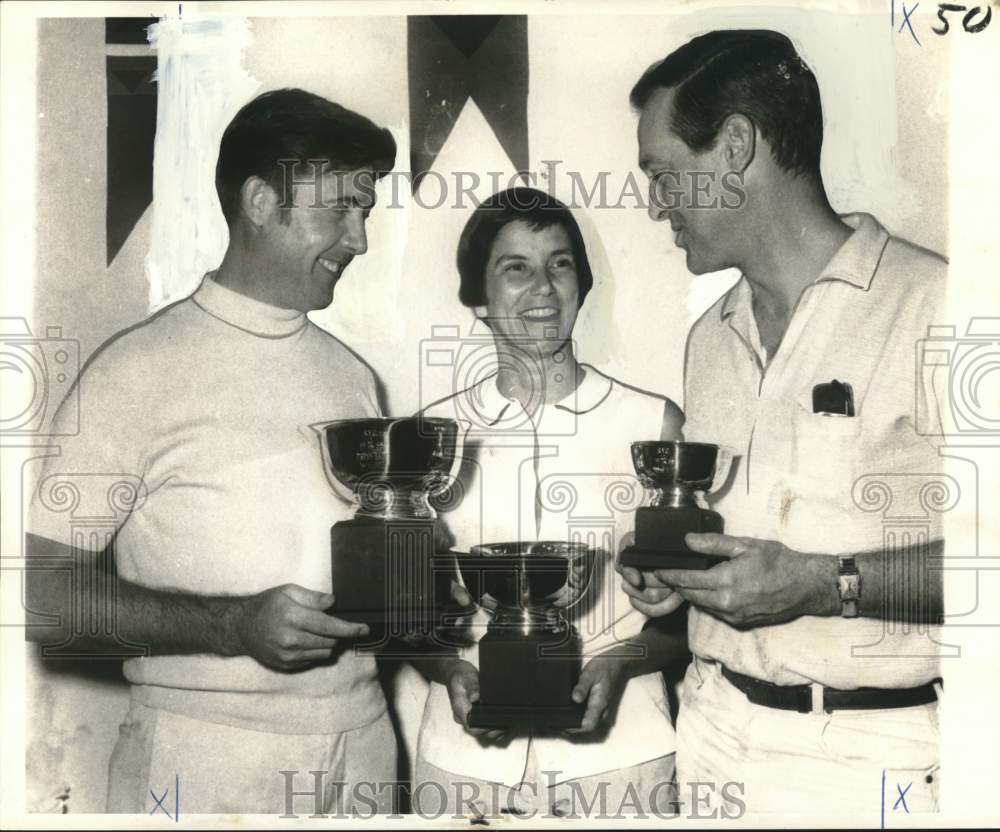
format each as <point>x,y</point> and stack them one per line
<point>223,555</point>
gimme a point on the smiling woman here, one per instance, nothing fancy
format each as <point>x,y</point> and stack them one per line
<point>531,284</point>
<point>533,208</point>
<point>543,424</point>
<point>524,268</point>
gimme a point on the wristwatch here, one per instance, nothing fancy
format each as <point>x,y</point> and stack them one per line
<point>849,587</point>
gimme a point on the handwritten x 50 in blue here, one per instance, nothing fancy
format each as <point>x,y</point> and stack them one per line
<point>975,18</point>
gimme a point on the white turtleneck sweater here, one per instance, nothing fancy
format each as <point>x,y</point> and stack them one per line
<point>207,406</point>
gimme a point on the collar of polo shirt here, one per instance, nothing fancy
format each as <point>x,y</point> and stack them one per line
<point>855,261</point>
<point>493,409</point>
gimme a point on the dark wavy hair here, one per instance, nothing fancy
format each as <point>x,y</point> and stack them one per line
<point>528,205</point>
<point>754,72</point>
<point>292,125</point>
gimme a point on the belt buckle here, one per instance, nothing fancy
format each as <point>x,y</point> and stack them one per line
<point>816,697</point>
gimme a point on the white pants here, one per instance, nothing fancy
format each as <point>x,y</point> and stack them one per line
<point>858,764</point>
<point>165,763</point>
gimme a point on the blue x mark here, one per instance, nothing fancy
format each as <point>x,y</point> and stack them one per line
<point>906,19</point>
<point>901,798</point>
<point>159,802</point>
<point>177,800</point>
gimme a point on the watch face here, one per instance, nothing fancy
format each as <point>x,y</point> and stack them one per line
<point>849,587</point>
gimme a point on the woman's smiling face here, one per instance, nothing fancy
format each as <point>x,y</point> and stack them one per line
<point>532,290</point>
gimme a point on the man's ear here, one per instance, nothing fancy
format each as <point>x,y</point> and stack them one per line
<point>258,200</point>
<point>738,141</point>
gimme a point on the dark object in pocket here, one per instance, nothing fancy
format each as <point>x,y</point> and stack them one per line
<point>833,397</point>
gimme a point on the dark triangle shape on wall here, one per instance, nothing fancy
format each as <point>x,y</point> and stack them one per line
<point>477,56</point>
<point>131,134</point>
<point>129,78</point>
<point>438,90</point>
<point>466,31</point>
<point>504,100</point>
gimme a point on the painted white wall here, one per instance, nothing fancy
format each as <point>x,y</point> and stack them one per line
<point>885,151</point>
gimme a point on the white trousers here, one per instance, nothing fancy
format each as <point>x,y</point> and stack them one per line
<point>868,766</point>
<point>168,764</point>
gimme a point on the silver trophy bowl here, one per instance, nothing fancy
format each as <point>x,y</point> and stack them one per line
<point>388,468</point>
<point>531,583</point>
<point>680,473</point>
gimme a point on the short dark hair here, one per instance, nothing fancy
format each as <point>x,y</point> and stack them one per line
<point>754,72</point>
<point>528,205</point>
<point>292,124</point>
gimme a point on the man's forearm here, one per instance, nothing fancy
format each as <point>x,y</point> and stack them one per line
<point>160,621</point>
<point>895,585</point>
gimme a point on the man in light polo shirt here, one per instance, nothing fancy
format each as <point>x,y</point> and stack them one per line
<point>201,416</point>
<point>814,680</point>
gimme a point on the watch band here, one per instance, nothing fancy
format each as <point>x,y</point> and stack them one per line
<point>849,587</point>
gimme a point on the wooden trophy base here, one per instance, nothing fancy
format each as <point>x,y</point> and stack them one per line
<point>385,575</point>
<point>659,538</point>
<point>526,680</point>
<point>515,716</point>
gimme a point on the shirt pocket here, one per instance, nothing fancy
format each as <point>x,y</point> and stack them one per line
<point>813,500</point>
<point>826,452</point>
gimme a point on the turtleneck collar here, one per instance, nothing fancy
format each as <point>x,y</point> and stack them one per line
<point>245,313</point>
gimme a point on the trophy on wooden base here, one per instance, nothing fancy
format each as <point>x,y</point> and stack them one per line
<point>531,656</point>
<point>383,557</point>
<point>679,474</point>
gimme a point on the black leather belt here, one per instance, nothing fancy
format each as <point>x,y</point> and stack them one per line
<point>800,697</point>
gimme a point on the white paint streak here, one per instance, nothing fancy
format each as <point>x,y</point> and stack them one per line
<point>202,84</point>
